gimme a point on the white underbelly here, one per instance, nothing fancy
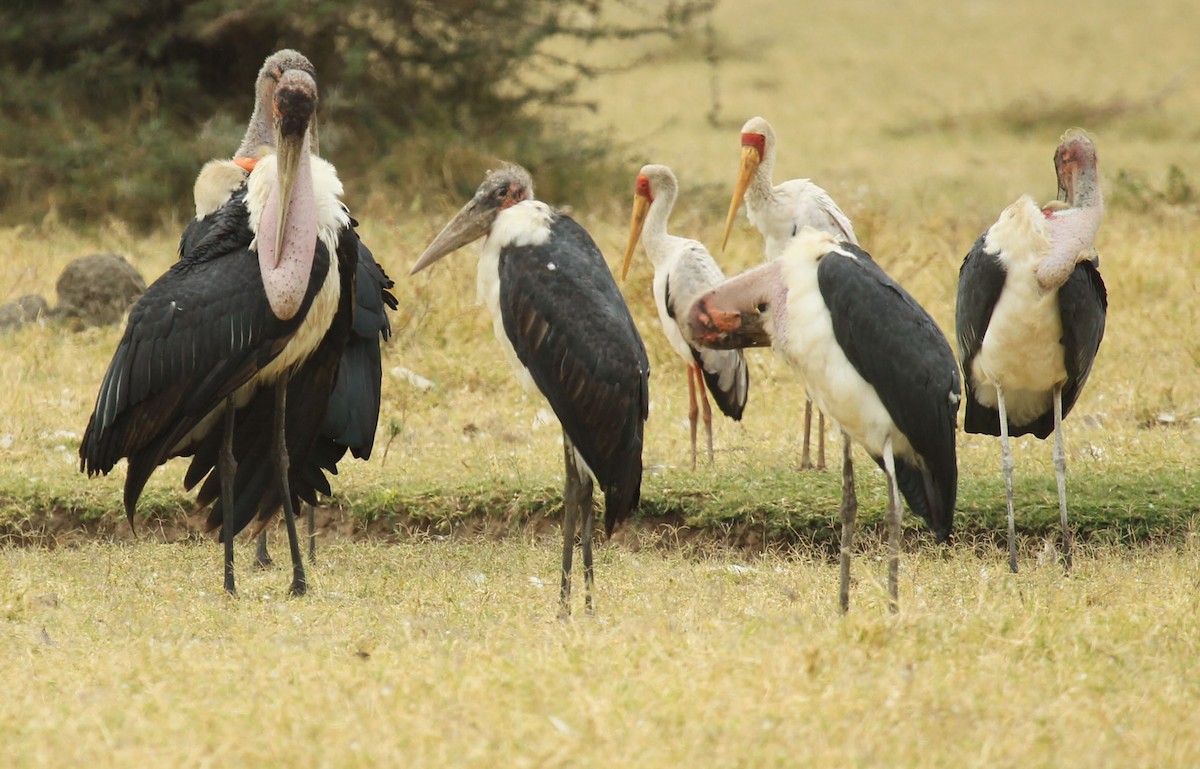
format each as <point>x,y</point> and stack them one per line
<point>1021,352</point>
<point>834,384</point>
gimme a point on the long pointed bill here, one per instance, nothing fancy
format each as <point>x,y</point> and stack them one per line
<point>471,223</point>
<point>751,158</point>
<point>288,160</point>
<point>641,207</point>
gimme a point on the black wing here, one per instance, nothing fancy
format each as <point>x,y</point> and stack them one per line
<point>570,327</point>
<point>980,283</point>
<point>898,349</point>
<point>353,412</point>
<point>198,333</point>
<point>311,451</point>
<point>1082,305</point>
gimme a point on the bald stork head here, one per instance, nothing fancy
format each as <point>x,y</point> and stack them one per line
<point>758,146</point>
<point>501,189</point>
<point>259,133</point>
<point>744,311</point>
<point>1074,218</point>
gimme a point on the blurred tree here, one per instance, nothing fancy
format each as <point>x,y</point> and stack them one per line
<point>110,106</point>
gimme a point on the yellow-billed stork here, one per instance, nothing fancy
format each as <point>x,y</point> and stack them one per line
<point>566,332</point>
<point>874,361</point>
<point>683,270</point>
<point>1030,317</point>
<point>779,212</point>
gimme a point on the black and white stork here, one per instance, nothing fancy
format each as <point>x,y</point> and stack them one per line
<point>566,332</point>
<point>874,361</point>
<point>683,270</point>
<point>779,212</point>
<point>353,409</point>
<point>258,309</point>
<point>1030,317</point>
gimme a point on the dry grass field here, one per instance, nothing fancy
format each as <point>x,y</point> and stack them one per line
<point>924,120</point>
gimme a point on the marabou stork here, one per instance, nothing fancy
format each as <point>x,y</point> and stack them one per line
<point>353,409</point>
<point>257,309</point>
<point>874,361</point>
<point>683,269</point>
<point>568,335</point>
<point>1030,317</point>
<point>779,212</point>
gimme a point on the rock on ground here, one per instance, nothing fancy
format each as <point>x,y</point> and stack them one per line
<point>98,290</point>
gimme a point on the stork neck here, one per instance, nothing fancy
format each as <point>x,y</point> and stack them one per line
<point>761,191</point>
<point>258,132</point>
<point>655,237</point>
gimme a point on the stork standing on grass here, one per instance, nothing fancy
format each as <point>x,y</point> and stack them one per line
<point>779,212</point>
<point>683,269</point>
<point>568,336</point>
<point>352,413</point>
<point>257,309</point>
<point>874,361</point>
<point>1030,317</point>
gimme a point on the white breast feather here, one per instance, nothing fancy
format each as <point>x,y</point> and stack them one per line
<point>811,348</point>
<point>1022,349</point>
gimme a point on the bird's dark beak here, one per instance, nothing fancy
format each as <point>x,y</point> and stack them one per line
<point>471,223</point>
<point>751,158</point>
<point>641,207</point>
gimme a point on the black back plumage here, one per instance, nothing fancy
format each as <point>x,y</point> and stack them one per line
<point>197,334</point>
<point>1082,305</point>
<point>894,344</point>
<point>567,321</point>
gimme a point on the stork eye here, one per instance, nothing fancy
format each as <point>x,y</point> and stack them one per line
<point>762,307</point>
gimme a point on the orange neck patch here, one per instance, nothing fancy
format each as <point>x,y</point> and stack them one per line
<point>247,164</point>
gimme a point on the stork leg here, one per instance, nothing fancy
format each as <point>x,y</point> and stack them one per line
<point>262,559</point>
<point>706,412</point>
<point>312,534</point>
<point>228,471</point>
<point>1006,462</point>
<point>299,582</point>
<point>820,440</point>
<point>806,452</point>
<point>848,512</point>
<point>894,510</point>
<point>570,494</point>
<point>1060,473</point>
<point>693,411</point>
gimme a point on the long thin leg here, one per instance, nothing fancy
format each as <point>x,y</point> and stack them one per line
<point>262,558</point>
<point>848,513</point>
<point>894,509</point>
<point>228,471</point>
<point>706,411</point>
<point>588,504</point>
<point>806,453</point>
<point>1006,462</point>
<point>693,412</point>
<point>820,440</point>
<point>1060,473</point>
<point>312,534</point>
<point>568,526</point>
<point>299,582</point>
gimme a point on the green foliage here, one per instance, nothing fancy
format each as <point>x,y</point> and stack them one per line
<point>110,104</point>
